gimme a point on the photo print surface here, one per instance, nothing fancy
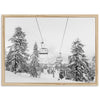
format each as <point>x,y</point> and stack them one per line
<point>50,50</point>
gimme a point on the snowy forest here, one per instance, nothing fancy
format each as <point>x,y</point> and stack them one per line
<point>19,63</point>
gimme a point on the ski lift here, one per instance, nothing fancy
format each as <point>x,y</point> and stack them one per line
<point>59,59</point>
<point>43,50</point>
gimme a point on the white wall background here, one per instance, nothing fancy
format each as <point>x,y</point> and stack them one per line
<point>49,92</point>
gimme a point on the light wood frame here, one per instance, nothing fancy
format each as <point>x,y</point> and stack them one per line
<point>60,15</point>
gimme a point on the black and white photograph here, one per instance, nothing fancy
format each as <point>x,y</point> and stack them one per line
<point>50,49</point>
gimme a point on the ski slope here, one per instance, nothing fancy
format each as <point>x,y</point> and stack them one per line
<point>24,77</point>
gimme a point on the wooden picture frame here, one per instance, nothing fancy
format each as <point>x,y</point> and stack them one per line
<point>53,83</point>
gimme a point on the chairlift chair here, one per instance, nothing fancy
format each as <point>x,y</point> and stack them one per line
<point>59,58</point>
<point>43,50</point>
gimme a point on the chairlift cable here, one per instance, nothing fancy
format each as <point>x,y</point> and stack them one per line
<point>39,30</point>
<point>64,34</point>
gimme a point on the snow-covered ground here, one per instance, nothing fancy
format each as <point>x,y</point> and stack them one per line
<point>23,77</point>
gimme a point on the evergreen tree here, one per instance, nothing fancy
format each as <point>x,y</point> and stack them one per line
<point>34,65</point>
<point>17,56</point>
<point>78,62</point>
<point>92,70</point>
<point>93,62</point>
<point>36,53</point>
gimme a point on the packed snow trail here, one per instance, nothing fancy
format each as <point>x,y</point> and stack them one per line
<point>24,77</point>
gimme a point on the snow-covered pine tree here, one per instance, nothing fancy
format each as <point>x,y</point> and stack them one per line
<point>17,56</point>
<point>36,52</point>
<point>92,70</point>
<point>34,65</point>
<point>93,62</point>
<point>78,63</point>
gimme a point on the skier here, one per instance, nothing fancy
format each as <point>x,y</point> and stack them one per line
<point>61,75</point>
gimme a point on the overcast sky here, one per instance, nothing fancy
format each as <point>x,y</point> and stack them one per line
<point>52,30</point>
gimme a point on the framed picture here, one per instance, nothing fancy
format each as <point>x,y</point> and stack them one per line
<point>49,50</point>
